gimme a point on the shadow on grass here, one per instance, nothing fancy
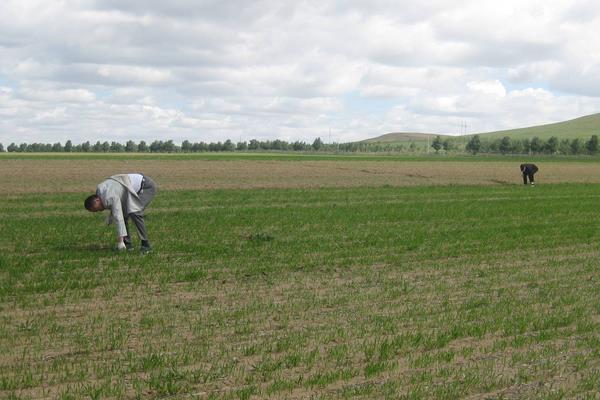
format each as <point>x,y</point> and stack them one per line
<point>501,182</point>
<point>89,247</point>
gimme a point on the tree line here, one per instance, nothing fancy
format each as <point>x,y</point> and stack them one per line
<point>159,146</point>
<point>535,145</point>
<point>475,145</point>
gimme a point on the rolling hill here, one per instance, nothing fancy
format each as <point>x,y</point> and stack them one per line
<point>402,137</point>
<point>582,127</point>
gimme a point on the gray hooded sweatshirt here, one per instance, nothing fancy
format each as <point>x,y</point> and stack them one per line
<point>119,196</point>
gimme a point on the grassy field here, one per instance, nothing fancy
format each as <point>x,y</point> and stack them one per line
<point>582,128</point>
<point>376,289</point>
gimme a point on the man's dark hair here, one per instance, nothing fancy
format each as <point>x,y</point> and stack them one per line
<point>89,202</point>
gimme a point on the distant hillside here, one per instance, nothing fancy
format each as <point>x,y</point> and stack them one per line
<point>582,127</point>
<point>401,137</point>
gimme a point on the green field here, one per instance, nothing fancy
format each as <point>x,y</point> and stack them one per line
<point>290,156</point>
<point>445,292</point>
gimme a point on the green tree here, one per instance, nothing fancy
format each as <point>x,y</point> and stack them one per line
<point>265,145</point>
<point>592,144</point>
<point>576,146</point>
<point>552,145</point>
<point>143,147</point>
<point>1,148</point>
<point>241,146</point>
<point>253,145</point>
<point>86,147</point>
<point>186,146</point>
<point>447,145</point>
<point>317,144</point>
<point>200,147</point>
<point>437,143</point>
<point>156,146</point>
<point>228,145</point>
<point>564,147</point>
<point>505,145</point>
<point>526,146</point>
<point>57,147</point>
<point>116,147</point>
<point>212,146</point>
<point>299,146</point>
<point>516,147</point>
<point>12,148</point>
<point>68,146</point>
<point>169,146</point>
<point>474,145</point>
<point>536,146</point>
<point>131,147</point>
<point>279,145</point>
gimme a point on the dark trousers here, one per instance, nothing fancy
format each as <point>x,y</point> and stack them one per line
<point>146,194</point>
<point>528,175</point>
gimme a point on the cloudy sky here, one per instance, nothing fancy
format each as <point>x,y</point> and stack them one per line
<point>290,69</point>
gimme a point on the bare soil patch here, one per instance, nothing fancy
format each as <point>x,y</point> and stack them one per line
<point>51,176</point>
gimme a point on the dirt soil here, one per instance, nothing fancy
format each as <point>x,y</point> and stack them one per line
<point>51,176</point>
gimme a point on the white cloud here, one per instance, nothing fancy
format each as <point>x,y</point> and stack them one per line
<point>494,87</point>
<point>132,75</point>
<point>212,70</point>
<point>58,96</point>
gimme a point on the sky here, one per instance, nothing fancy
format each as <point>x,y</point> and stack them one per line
<point>204,70</point>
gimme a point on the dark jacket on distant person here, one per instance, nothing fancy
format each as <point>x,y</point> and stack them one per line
<point>528,170</point>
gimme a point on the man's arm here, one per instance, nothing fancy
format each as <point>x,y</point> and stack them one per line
<point>117,214</point>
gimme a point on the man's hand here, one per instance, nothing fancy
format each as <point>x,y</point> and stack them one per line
<point>120,244</point>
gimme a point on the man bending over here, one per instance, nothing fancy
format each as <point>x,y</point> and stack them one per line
<point>126,196</point>
<point>528,170</point>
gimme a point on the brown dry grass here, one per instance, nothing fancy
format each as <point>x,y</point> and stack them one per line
<point>52,176</point>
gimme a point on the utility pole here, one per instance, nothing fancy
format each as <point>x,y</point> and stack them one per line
<point>463,127</point>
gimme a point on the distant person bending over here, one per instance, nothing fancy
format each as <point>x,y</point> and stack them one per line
<point>126,196</point>
<point>528,170</point>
